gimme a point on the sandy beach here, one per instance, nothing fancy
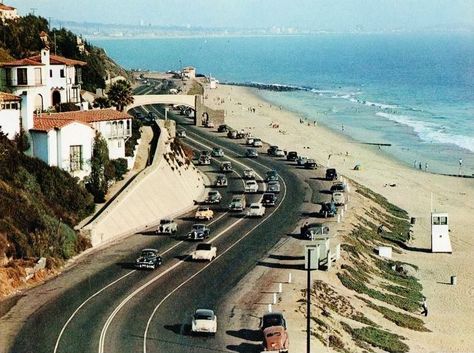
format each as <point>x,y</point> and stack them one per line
<point>451,315</point>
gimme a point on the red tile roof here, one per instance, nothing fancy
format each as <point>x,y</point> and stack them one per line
<point>59,60</point>
<point>90,116</point>
<point>47,124</point>
<point>21,62</point>
<point>8,97</point>
<point>6,7</point>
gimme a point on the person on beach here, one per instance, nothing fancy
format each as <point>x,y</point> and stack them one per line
<point>426,167</point>
<point>342,127</point>
<point>424,306</point>
<point>419,165</point>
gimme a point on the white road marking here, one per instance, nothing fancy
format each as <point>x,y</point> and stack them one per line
<point>145,334</point>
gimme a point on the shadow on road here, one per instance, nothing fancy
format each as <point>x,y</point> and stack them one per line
<point>246,334</point>
<point>278,265</point>
<point>286,257</point>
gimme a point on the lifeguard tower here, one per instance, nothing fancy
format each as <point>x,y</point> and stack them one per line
<point>440,241</point>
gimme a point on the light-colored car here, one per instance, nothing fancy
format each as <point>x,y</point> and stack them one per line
<point>221,181</point>
<point>249,174</point>
<point>271,175</point>
<point>338,198</point>
<point>301,160</point>
<point>249,141</point>
<point>204,213</point>
<point>181,133</point>
<point>204,160</point>
<point>273,186</point>
<point>205,251</point>
<point>204,321</point>
<point>257,142</point>
<point>217,152</point>
<point>209,124</point>
<point>279,153</point>
<point>238,203</point>
<point>167,226</point>
<point>251,186</point>
<point>275,339</point>
<point>251,153</point>
<point>256,210</point>
<point>213,197</point>
<point>339,186</point>
<point>226,167</point>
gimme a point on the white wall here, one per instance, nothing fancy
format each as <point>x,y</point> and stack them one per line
<point>116,148</point>
<point>10,122</point>
<point>75,134</point>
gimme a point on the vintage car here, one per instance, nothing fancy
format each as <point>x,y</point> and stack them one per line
<point>199,232</point>
<point>221,181</point>
<point>249,140</point>
<point>339,186</point>
<point>213,197</point>
<point>328,209</point>
<point>272,319</point>
<point>279,153</point>
<point>204,321</point>
<point>217,152</point>
<point>167,226</point>
<point>238,203</point>
<point>273,186</point>
<point>251,186</point>
<point>271,150</point>
<point>271,175</point>
<point>226,167</point>
<point>292,156</point>
<point>312,230</point>
<point>204,159</point>
<point>256,210</point>
<point>204,213</point>
<point>275,339</point>
<point>249,174</point>
<point>223,128</point>
<point>257,142</point>
<point>269,199</point>
<point>204,251</point>
<point>181,133</point>
<point>338,198</point>
<point>301,160</point>
<point>310,164</point>
<point>251,153</point>
<point>148,259</point>
<point>331,174</point>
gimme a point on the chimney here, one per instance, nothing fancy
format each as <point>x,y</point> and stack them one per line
<point>45,56</point>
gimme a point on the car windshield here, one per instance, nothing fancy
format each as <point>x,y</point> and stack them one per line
<point>272,320</point>
<point>147,253</point>
<point>165,221</point>
<point>198,226</point>
<point>255,207</point>
<point>201,209</point>
<point>271,334</point>
<point>203,316</point>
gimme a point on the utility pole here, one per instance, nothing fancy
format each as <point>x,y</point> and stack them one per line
<point>33,10</point>
<point>308,304</point>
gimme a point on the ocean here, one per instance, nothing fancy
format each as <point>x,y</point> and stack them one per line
<point>413,91</point>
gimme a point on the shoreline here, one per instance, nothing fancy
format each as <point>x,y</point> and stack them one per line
<point>406,187</point>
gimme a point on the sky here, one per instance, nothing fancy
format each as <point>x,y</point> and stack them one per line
<point>335,15</point>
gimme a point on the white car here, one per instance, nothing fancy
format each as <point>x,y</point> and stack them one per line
<point>249,141</point>
<point>279,153</point>
<point>338,198</point>
<point>181,133</point>
<point>205,251</point>
<point>257,143</point>
<point>249,174</point>
<point>204,321</point>
<point>256,210</point>
<point>251,186</point>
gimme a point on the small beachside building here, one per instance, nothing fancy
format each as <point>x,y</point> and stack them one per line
<point>7,12</point>
<point>10,120</point>
<point>189,72</point>
<point>64,143</point>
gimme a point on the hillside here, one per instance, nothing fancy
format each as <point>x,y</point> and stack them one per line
<point>39,206</point>
<point>21,38</point>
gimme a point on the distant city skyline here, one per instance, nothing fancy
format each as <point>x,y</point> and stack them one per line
<point>343,15</point>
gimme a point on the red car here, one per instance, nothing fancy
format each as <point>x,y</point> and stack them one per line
<point>275,339</point>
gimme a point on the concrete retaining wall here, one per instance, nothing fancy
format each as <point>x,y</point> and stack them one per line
<point>161,190</point>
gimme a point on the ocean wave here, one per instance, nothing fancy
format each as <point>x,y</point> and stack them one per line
<point>431,132</point>
<point>379,105</point>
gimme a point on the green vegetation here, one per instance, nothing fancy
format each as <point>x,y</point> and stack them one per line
<point>98,181</point>
<point>133,140</point>
<point>39,206</point>
<point>196,88</point>
<point>120,94</point>
<point>21,39</point>
<point>387,341</point>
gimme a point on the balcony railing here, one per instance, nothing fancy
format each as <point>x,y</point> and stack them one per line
<point>15,82</point>
<point>119,133</point>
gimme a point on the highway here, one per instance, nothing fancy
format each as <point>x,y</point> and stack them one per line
<point>119,309</point>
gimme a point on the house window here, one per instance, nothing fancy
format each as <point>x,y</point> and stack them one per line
<point>75,158</point>
<point>61,73</point>
<point>119,143</point>
<point>22,76</point>
<point>38,78</point>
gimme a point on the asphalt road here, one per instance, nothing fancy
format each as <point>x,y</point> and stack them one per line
<point>118,309</point>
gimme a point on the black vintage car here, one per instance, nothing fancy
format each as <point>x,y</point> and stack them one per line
<point>269,199</point>
<point>331,174</point>
<point>223,128</point>
<point>148,259</point>
<point>328,209</point>
<point>199,232</point>
<point>310,164</point>
<point>272,319</point>
<point>292,156</point>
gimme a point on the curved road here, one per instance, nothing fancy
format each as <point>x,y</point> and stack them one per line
<point>119,309</point>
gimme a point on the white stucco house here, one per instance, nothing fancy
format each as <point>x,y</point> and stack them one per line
<point>7,12</point>
<point>64,143</point>
<point>65,139</point>
<point>10,121</point>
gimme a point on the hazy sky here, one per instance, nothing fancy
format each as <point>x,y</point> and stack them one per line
<point>315,14</point>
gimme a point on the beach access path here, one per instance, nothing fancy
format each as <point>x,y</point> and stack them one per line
<point>451,312</point>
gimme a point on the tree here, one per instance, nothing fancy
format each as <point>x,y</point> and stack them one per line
<point>97,182</point>
<point>120,94</point>
<point>101,102</point>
